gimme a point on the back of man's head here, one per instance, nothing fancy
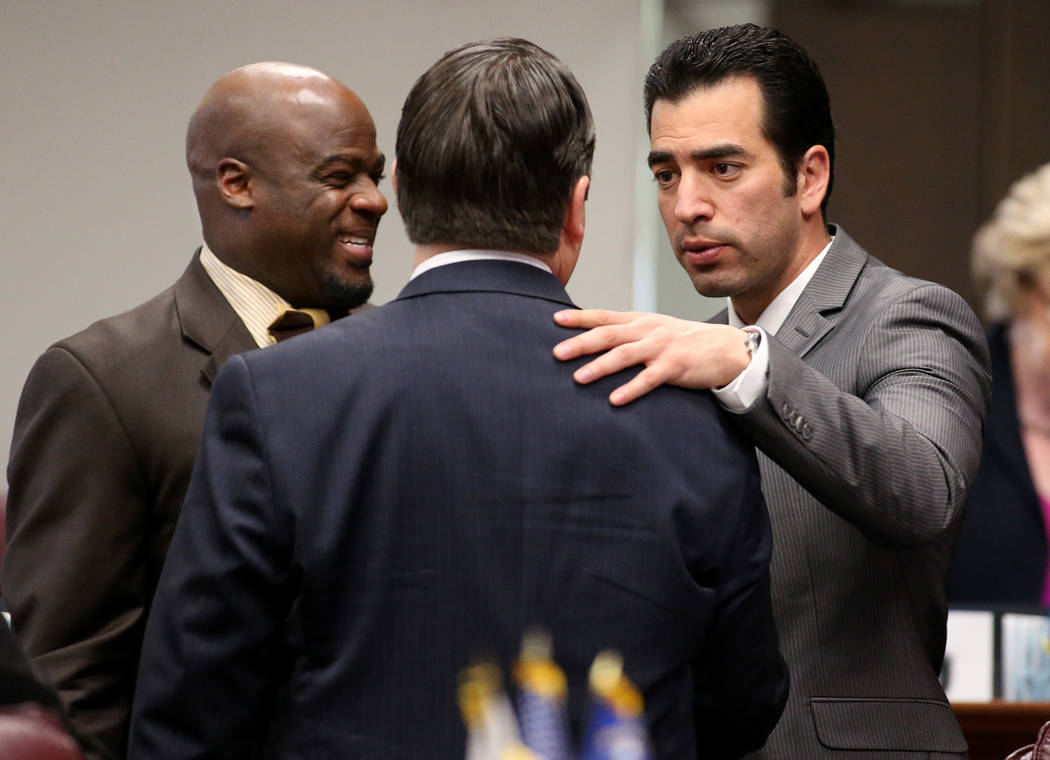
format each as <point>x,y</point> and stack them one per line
<point>492,140</point>
<point>797,109</point>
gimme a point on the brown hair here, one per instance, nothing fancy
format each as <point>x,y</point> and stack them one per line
<point>492,140</point>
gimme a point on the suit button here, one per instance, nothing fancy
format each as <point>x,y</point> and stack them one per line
<point>786,411</point>
<point>797,423</point>
<point>807,431</point>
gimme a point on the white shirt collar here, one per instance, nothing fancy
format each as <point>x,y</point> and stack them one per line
<point>772,318</point>
<point>476,254</point>
<point>254,303</point>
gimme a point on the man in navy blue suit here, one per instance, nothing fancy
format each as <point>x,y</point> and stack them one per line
<point>379,502</point>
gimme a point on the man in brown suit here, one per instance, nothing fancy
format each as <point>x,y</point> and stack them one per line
<point>285,170</point>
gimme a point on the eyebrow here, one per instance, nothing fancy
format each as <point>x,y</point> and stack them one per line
<point>725,150</point>
<point>353,160</point>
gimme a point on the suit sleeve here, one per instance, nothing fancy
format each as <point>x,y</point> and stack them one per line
<point>74,574</point>
<point>741,681</point>
<point>894,459</point>
<point>213,633</point>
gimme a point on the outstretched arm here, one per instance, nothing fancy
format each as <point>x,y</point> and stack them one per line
<point>892,452</point>
<point>895,452</point>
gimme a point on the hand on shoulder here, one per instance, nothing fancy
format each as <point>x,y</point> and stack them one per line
<point>678,352</point>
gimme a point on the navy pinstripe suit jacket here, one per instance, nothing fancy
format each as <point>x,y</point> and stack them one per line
<point>377,503</point>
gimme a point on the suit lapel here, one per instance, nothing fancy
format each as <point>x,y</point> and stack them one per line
<point>488,275</point>
<point>815,312</point>
<point>804,327</point>
<point>207,320</point>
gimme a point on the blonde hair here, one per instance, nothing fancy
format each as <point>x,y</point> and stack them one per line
<point>1011,251</point>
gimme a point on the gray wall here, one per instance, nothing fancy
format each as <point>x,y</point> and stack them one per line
<point>95,204</point>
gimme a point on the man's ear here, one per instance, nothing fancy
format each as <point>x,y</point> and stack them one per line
<point>563,262</point>
<point>575,215</point>
<point>814,171</point>
<point>234,180</point>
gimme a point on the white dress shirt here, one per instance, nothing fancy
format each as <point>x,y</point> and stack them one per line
<point>476,254</point>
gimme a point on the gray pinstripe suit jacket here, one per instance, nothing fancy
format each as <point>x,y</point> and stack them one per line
<point>869,435</point>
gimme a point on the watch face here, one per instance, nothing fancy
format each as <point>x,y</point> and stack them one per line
<point>754,339</point>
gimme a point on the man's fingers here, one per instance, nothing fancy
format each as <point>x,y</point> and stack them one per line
<point>587,318</point>
<point>593,341</point>
<point>619,358</point>
<point>645,381</point>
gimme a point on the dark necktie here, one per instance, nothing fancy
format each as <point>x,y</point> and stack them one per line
<point>291,322</point>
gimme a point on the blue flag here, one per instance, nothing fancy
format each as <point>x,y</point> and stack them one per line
<point>616,728</point>
<point>542,694</point>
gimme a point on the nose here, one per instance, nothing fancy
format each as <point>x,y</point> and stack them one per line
<point>369,201</point>
<point>692,201</point>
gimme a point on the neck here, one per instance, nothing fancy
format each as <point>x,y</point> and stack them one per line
<point>750,305</point>
<point>424,252</point>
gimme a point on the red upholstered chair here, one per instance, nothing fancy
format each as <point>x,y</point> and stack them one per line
<point>30,732</point>
<point>1038,751</point>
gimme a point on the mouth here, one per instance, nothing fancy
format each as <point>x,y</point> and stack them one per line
<point>702,252</point>
<point>358,246</point>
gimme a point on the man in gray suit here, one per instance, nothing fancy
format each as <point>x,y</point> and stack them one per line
<point>863,390</point>
<point>284,166</point>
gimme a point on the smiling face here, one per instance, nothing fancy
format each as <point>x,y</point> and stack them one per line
<point>316,202</point>
<point>737,225</point>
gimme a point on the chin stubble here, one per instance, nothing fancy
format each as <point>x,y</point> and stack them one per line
<point>341,296</point>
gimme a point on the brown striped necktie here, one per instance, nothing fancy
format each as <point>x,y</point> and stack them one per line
<point>291,322</point>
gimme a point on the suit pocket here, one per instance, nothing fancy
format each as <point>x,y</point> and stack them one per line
<point>906,725</point>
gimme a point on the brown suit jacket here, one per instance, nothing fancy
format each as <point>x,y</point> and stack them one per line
<point>105,436</point>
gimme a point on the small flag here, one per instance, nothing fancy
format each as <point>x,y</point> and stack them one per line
<point>617,717</point>
<point>542,694</point>
<point>492,728</point>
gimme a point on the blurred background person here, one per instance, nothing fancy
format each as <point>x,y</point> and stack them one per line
<point>1001,552</point>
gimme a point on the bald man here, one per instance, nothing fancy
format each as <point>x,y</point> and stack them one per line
<point>285,170</point>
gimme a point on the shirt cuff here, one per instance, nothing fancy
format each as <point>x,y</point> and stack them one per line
<point>750,385</point>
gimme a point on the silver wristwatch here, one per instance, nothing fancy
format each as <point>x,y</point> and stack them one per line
<point>753,340</point>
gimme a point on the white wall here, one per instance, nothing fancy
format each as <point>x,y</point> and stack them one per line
<point>96,213</point>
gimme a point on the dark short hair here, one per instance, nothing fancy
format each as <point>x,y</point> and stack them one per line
<point>492,140</point>
<point>797,109</point>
